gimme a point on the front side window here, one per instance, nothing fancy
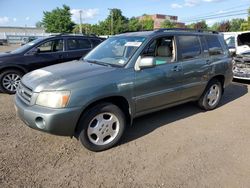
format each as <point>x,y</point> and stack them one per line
<point>51,46</point>
<point>162,49</point>
<point>115,51</point>
<point>214,46</point>
<point>77,44</point>
<point>189,47</point>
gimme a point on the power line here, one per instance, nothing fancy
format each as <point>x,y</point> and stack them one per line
<point>231,8</point>
<point>229,15</point>
<point>218,14</point>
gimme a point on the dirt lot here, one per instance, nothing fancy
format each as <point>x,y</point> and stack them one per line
<point>178,147</point>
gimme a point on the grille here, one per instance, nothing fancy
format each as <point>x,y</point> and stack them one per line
<point>25,93</point>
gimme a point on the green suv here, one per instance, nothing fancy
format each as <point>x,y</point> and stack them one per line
<point>126,76</point>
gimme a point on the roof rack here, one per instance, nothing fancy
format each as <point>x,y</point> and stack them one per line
<point>184,29</point>
<point>74,34</point>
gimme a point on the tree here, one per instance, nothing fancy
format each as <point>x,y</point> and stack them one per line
<point>215,26</point>
<point>58,20</point>
<point>245,26</point>
<point>235,24</point>
<point>191,26</point>
<point>86,28</point>
<point>147,23</point>
<point>117,22</point>
<point>134,24</point>
<point>224,26</point>
<point>201,25</point>
<point>168,24</point>
<point>39,24</point>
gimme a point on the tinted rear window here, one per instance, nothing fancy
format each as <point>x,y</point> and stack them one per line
<point>95,42</point>
<point>189,47</point>
<point>76,44</point>
<point>214,46</point>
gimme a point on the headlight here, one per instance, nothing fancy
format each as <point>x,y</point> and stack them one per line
<point>53,99</point>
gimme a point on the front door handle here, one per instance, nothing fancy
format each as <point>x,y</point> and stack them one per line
<point>176,68</point>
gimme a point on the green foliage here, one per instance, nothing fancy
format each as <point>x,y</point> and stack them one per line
<point>134,24</point>
<point>235,24</point>
<point>224,26</point>
<point>167,24</point>
<point>215,26</point>
<point>86,28</point>
<point>190,26</point>
<point>201,25</point>
<point>245,26</point>
<point>117,22</point>
<point>58,20</point>
<point>147,23</point>
<point>39,24</point>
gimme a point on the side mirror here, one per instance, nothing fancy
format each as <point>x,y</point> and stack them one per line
<point>146,62</point>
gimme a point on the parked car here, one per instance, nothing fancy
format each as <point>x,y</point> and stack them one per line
<point>40,53</point>
<point>238,42</point>
<point>126,76</point>
<point>3,41</point>
<point>241,66</point>
<point>27,40</point>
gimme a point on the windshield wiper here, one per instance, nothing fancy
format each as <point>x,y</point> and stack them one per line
<point>98,62</point>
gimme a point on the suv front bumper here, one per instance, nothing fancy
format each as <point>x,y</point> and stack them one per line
<point>55,121</point>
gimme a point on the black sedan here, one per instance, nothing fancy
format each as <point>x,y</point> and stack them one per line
<point>41,53</point>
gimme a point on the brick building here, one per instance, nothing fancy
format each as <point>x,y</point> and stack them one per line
<point>160,18</point>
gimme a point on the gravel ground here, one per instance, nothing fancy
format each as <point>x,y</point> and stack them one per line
<point>178,147</point>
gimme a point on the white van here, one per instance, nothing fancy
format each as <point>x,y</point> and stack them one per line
<point>238,42</point>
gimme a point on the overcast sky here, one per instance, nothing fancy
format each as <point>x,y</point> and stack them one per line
<point>28,12</point>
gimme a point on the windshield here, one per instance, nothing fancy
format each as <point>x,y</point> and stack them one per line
<point>230,42</point>
<point>115,51</point>
<point>26,46</point>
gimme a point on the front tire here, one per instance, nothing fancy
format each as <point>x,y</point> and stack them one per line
<point>101,127</point>
<point>9,81</point>
<point>211,96</point>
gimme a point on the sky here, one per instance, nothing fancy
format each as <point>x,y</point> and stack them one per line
<point>28,12</point>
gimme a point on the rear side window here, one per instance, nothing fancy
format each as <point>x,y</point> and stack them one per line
<point>214,46</point>
<point>95,42</point>
<point>189,47</point>
<point>77,44</point>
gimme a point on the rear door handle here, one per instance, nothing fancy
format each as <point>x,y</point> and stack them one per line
<point>176,68</point>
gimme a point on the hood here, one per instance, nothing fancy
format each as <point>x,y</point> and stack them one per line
<point>6,54</point>
<point>57,76</point>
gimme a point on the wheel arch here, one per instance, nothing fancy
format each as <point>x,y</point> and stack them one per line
<point>21,69</point>
<point>220,78</point>
<point>119,101</point>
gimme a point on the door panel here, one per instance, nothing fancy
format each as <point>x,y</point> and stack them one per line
<point>195,76</point>
<point>157,87</point>
<point>195,65</point>
<point>48,53</point>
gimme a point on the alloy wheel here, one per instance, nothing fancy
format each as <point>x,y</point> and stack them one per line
<point>11,81</point>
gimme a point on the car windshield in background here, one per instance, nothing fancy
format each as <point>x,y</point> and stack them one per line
<point>26,46</point>
<point>115,51</point>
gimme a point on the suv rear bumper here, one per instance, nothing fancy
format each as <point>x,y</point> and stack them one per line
<point>54,121</point>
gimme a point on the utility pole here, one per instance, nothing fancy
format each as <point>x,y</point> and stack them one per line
<point>111,22</point>
<point>80,21</point>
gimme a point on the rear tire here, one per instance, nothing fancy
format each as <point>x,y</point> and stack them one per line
<point>101,127</point>
<point>9,80</point>
<point>211,96</point>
